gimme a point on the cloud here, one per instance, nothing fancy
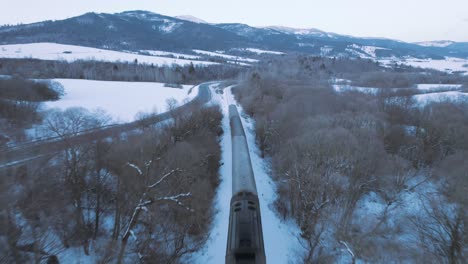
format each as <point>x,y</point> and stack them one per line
<point>465,20</point>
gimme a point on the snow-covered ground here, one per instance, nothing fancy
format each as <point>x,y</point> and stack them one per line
<point>228,57</point>
<point>260,51</point>
<point>340,85</point>
<point>340,88</point>
<point>54,51</point>
<point>364,51</point>
<point>122,100</point>
<point>437,43</point>
<point>280,238</point>
<point>168,53</point>
<point>451,96</point>
<point>448,65</point>
<point>430,93</point>
<point>436,87</point>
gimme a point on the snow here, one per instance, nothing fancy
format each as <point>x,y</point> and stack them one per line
<point>143,15</point>
<point>437,43</point>
<point>135,167</point>
<point>168,53</point>
<point>260,51</point>
<point>369,51</point>
<point>169,26</point>
<point>75,255</point>
<point>122,100</point>
<point>55,51</point>
<point>406,204</point>
<point>13,163</point>
<point>215,249</point>
<point>339,87</point>
<point>325,50</point>
<point>451,96</point>
<point>229,57</point>
<point>432,87</point>
<point>302,31</point>
<point>192,19</point>
<point>448,64</point>
<point>347,88</point>
<point>281,239</point>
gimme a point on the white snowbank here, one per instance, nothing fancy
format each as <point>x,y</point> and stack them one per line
<point>340,88</point>
<point>451,96</point>
<point>122,100</point>
<point>448,65</point>
<point>437,43</point>
<point>215,249</point>
<point>229,57</point>
<point>54,51</point>
<point>365,51</point>
<point>431,87</point>
<point>168,53</point>
<point>260,51</point>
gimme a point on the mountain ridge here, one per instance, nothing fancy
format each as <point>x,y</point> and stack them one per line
<point>142,30</point>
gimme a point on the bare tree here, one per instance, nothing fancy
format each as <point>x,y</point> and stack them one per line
<point>147,198</point>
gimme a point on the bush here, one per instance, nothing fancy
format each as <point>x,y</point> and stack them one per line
<point>26,90</point>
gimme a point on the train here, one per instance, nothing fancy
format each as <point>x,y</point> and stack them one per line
<point>245,235</point>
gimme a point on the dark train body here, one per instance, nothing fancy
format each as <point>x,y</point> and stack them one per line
<point>245,235</point>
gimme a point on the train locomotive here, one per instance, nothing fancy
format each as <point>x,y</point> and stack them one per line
<point>245,235</point>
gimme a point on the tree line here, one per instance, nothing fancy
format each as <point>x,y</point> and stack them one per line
<point>20,100</point>
<point>117,71</point>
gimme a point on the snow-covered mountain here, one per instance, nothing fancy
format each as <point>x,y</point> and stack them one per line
<point>143,30</point>
<point>303,31</point>
<point>192,19</point>
<point>436,43</point>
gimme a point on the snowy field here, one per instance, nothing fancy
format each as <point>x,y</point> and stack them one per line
<point>451,96</point>
<point>449,65</point>
<point>430,93</point>
<point>280,238</point>
<point>432,87</point>
<point>54,51</point>
<point>367,52</point>
<point>122,100</point>
<point>228,57</point>
<point>168,53</point>
<point>423,88</point>
<point>260,51</point>
<point>340,88</point>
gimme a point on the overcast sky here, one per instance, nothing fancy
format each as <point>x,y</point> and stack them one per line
<point>408,20</point>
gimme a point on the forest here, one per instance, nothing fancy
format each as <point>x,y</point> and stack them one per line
<point>129,199</point>
<point>372,175</point>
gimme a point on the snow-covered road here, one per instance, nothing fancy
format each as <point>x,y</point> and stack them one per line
<point>280,238</point>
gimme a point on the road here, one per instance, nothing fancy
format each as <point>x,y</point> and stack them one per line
<point>28,151</point>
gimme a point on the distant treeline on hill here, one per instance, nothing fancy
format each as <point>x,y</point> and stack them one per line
<point>116,71</point>
<point>26,90</point>
<point>20,100</point>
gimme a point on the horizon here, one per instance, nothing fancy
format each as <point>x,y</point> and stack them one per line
<point>362,18</point>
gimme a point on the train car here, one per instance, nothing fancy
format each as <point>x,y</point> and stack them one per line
<point>245,235</point>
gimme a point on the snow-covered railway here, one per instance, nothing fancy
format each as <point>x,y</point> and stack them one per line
<point>245,235</point>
